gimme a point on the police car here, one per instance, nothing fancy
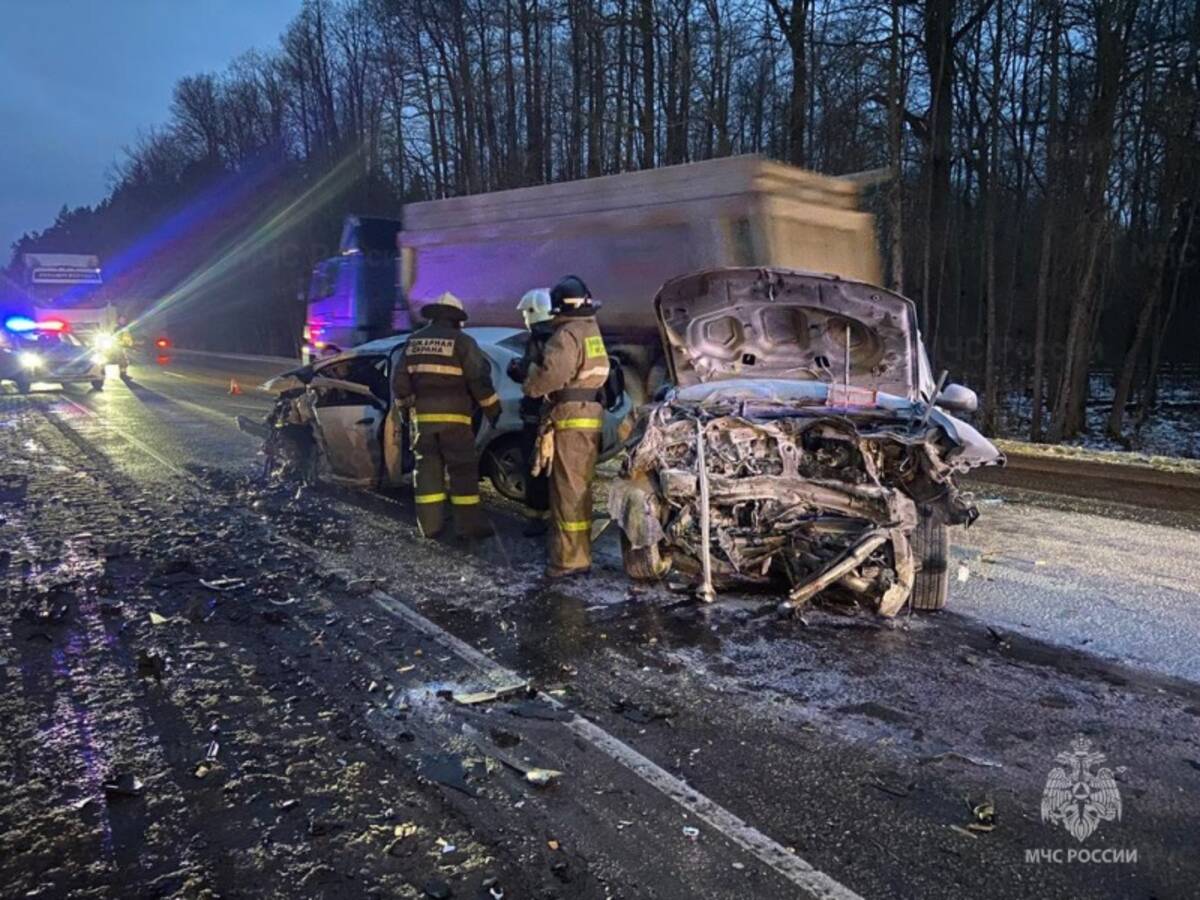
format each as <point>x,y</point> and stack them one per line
<point>33,351</point>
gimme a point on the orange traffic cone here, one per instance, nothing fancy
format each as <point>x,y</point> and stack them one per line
<point>234,388</point>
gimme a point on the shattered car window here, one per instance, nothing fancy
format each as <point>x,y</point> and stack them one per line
<point>370,371</point>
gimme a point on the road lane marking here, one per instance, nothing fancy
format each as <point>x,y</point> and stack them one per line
<point>768,851</point>
<point>787,864</point>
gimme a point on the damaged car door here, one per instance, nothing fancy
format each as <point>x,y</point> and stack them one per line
<point>349,399</point>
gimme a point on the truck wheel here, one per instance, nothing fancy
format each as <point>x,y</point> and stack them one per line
<point>507,467</point>
<point>931,552</point>
<point>643,563</point>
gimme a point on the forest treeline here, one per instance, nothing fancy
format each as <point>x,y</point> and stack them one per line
<point>1041,157</point>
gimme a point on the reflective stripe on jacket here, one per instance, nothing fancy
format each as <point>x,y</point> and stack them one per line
<point>575,358</point>
<point>445,374</point>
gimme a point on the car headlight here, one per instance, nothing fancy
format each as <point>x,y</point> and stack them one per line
<point>29,360</point>
<point>99,359</point>
<point>104,342</point>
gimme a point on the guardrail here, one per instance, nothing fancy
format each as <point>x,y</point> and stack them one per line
<point>1163,483</point>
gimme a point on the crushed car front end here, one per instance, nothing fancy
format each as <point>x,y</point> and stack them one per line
<point>799,448</point>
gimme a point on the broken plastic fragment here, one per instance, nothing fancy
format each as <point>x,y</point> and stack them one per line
<point>405,830</point>
<point>223,583</point>
<point>156,619</point>
<point>691,832</point>
<point>123,785</point>
<point>542,777</point>
<point>470,698</point>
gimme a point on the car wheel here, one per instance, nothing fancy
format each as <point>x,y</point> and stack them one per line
<point>97,384</point>
<point>507,467</point>
<point>643,563</point>
<point>931,552</point>
<point>24,386</point>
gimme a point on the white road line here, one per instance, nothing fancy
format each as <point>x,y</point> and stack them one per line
<point>793,868</point>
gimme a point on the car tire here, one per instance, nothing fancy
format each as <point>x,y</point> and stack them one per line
<point>97,384</point>
<point>643,563</point>
<point>24,386</point>
<point>505,464</point>
<point>931,553</point>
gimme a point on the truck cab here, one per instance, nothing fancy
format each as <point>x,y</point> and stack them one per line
<point>356,296</point>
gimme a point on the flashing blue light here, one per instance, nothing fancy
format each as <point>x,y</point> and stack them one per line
<point>20,324</point>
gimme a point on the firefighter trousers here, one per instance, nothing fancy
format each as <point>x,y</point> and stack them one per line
<point>576,447</point>
<point>447,452</point>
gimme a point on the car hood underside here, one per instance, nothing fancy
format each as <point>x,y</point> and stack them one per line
<point>771,323</point>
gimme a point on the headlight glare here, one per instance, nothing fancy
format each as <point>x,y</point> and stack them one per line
<point>105,341</point>
<point>29,360</point>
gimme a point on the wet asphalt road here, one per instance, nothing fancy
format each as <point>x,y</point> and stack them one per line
<point>862,746</point>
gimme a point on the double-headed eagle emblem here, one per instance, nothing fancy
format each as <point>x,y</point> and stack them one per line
<point>1078,797</point>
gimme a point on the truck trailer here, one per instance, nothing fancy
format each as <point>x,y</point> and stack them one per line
<point>624,235</point>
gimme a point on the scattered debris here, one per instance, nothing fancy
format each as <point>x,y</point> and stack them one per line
<point>405,830</point>
<point>437,889</point>
<point>223,583</point>
<point>542,777</point>
<point>471,698</point>
<point>552,844</point>
<point>691,832</point>
<point>984,816</point>
<point>121,786</point>
<point>158,619</point>
<point>962,757</point>
<point>152,663</point>
<point>641,715</point>
<point>446,769</point>
<point>889,789</point>
<point>540,709</point>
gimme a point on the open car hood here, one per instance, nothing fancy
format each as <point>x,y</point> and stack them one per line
<point>754,323</point>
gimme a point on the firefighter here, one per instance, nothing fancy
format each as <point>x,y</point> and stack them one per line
<point>444,377</point>
<point>535,310</point>
<point>570,376</point>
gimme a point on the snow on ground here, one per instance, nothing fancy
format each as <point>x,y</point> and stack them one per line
<point>1173,429</point>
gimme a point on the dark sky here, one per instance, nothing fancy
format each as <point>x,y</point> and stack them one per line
<point>80,78</point>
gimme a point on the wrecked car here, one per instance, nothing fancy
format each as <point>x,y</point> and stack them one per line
<point>803,443</point>
<point>335,418</point>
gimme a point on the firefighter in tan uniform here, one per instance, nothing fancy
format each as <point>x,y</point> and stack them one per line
<point>573,370</point>
<point>443,375</point>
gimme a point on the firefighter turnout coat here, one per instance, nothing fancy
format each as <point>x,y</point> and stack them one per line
<point>573,370</point>
<point>443,376</point>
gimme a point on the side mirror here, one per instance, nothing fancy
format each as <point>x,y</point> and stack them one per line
<point>957,398</point>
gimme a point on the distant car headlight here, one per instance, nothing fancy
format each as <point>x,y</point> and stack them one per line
<point>105,341</point>
<point>99,359</point>
<point>29,361</point>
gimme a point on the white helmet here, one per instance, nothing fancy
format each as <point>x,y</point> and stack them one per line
<point>535,307</point>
